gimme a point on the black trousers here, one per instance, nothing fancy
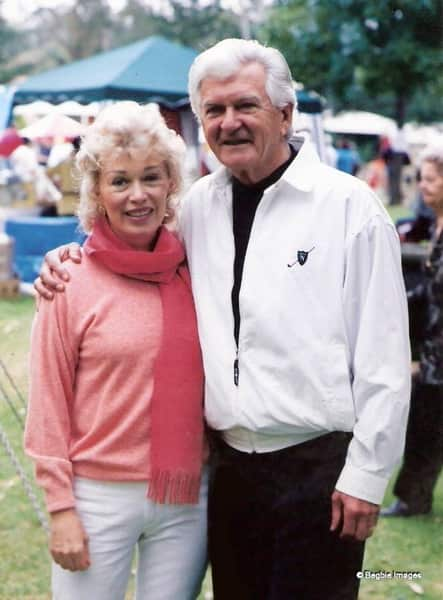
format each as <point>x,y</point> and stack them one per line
<point>423,457</point>
<point>269,519</point>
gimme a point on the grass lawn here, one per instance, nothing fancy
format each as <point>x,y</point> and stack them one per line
<point>414,544</point>
<point>398,211</point>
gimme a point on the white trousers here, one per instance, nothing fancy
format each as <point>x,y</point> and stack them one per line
<point>171,543</point>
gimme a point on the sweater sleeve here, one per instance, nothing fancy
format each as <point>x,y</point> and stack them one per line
<point>53,359</point>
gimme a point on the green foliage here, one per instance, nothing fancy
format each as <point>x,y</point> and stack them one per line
<point>77,31</point>
<point>189,23</point>
<point>350,50</point>
<point>411,544</point>
<point>9,44</point>
<point>426,105</point>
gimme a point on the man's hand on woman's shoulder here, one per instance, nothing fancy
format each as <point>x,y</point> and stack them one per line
<point>52,273</point>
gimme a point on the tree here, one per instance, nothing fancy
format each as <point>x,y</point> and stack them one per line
<point>350,50</point>
<point>77,30</point>
<point>186,21</point>
<point>359,53</point>
<point>9,43</point>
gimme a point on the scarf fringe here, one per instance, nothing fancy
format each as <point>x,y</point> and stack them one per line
<point>167,488</point>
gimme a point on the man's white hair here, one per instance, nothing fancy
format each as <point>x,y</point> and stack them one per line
<point>225,58</point>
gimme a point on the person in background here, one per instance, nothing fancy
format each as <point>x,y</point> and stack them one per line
<point>331,153</point>
<point>423,457</point>
<point>24,161</point>
<point>115,419</point>
<point>44,150</point>
<point>61,171</point>
<point>63,152</point>
<point>348,159</point>
<point>375,174</point>
<point>47,194</point>
<point>419,228</point>
<point>26,166</point>
<point>396,156</point>
<point>301,309</point>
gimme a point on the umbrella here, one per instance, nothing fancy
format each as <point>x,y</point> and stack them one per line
<point>36,109</point>
<point>53,126</point>
<point>360,122</point>
<point>75,109</point>
<point>9,141</point>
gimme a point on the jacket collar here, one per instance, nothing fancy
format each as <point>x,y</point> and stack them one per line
<point>301,173</point>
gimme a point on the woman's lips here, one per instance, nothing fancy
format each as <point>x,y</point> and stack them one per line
<point>139,213</point>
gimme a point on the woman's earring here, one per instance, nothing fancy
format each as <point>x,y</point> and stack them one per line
<point>101,210</point>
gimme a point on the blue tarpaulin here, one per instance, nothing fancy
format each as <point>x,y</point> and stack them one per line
<point>34,236</point>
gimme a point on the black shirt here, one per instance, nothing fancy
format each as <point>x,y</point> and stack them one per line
<point>245,200</point>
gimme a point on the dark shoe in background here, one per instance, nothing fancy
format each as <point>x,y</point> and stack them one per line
<point>400,509</point>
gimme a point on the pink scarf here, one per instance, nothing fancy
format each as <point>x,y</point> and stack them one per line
<point>177,399</point>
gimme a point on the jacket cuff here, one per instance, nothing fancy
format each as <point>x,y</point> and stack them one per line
<point>361,484</point>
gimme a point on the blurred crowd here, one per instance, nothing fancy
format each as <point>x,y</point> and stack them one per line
<point>40,175</point>
<point>383,170</point>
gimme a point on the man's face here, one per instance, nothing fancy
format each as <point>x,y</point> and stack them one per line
<point>242,127</point>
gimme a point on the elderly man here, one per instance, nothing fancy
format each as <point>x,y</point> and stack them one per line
<point>302,322</point>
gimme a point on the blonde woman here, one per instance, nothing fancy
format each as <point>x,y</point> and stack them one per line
<point>115,423</point>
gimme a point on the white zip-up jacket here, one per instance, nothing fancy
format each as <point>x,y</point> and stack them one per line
<point>323,343</point>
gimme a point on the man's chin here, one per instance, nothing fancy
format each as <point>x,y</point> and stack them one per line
<point>235,156</point>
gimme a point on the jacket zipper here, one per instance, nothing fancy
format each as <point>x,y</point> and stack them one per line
<point>236,369</point>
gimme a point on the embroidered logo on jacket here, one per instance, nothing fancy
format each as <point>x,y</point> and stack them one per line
<point>302,257</point>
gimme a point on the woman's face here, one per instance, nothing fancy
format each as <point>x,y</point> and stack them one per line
<point>133,189</point>
<point>431,186</point>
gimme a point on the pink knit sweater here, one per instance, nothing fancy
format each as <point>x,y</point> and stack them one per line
<point>92,356</point>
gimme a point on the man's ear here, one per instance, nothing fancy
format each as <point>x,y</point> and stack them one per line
<point>286,112</point>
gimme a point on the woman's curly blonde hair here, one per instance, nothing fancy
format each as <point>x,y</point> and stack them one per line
<point>126,127</point>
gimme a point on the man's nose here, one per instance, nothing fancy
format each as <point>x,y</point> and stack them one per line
<point>230,120</point>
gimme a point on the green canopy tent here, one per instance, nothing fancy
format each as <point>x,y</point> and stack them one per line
<point>150,70</point>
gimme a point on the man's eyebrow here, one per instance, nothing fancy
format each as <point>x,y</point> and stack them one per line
<point>239,100</point>
<point>247,99</point>
<point>211,103</point>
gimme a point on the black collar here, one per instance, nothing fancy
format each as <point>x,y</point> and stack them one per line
<point>261,185</point>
